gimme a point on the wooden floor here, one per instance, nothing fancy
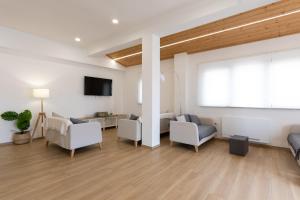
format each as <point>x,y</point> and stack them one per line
<point>120,171</point>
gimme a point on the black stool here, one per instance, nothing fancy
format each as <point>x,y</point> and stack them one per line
<point>238,145</point>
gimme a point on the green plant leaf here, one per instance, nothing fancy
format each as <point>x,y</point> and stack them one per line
<point>25,116</point>
<point>9,116</point>
<point>23,121</point>
<point>23,125</point>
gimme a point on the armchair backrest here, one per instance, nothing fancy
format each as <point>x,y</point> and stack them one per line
<point>85,134</point>
<point>130,129</point>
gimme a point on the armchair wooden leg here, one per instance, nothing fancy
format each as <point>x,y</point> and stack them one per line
<point>135,144</point>
<point>47,143</point>
<point>196,148</point>
<point>171,143</point>
<point>100,146</point>
<point>72,153</point>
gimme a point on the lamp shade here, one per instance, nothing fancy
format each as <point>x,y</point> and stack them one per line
<point>41,93</point>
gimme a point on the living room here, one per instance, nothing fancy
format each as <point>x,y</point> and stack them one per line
<point>176,85</point>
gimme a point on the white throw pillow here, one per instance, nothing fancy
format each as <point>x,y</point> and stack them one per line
<point>181,118</point>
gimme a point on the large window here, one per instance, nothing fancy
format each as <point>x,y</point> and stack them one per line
<point>268,81</point>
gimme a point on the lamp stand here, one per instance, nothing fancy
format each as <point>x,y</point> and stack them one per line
<point>41,117</point>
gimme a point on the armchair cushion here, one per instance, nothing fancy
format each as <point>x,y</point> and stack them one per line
<point>195,119</point>
<point>205,131</point>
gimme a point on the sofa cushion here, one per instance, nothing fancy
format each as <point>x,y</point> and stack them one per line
<point>77,121</point>
<point>195,119</point>
<point>205,131</point>
<point>133,117</point>
<point>294,141</point>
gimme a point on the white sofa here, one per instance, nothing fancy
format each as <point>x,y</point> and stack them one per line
<point>130,129</point>
<point>190,133</point>
<point>77,135</point>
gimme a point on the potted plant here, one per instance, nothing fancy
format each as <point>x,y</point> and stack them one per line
<point>22,123</point>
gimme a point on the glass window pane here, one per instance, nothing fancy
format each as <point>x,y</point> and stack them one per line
<point>248,84</point>
<point>285,82</point>
<point>215,87</point>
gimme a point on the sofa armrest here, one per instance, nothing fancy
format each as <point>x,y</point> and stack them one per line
<point>85,134</point>
<point>129,129</point>
<point>184,132</point>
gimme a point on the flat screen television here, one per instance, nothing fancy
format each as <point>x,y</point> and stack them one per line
<point>97,86</point>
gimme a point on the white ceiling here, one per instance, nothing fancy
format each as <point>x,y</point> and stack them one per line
<point>62,20</point>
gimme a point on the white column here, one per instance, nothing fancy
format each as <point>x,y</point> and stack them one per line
<point>181,63</point>
<point>151,91</point>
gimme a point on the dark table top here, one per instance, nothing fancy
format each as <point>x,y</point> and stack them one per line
<point>239,137</point>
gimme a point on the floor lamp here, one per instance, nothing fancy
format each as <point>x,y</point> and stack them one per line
<point>40,94</point>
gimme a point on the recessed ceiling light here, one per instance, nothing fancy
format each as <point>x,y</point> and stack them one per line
<point>115,21</point>
<point>77,39</point>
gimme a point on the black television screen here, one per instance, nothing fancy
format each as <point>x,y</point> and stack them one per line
<point>97,86</point>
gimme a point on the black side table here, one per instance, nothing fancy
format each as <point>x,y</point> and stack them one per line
<point>238,145</point>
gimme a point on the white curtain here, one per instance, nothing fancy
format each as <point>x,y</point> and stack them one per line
<point>267,81</point>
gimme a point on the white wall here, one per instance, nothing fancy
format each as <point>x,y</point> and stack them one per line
<point>27,44</point>
<point>281,118</point>
<point>28,61</point>
<point>19,74</point>
<point>132,77</point>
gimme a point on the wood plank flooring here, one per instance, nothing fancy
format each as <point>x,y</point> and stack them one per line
<point>121,171</point>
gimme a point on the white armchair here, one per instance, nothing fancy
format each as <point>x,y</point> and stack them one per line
<point>78,135</point>
<point>190,133</point>
<point>130,129</point>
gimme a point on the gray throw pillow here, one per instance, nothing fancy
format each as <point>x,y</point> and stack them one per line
<point>77,121</point>
<point>187,118</point>
<point>195,119</point>
<point>133,117</point>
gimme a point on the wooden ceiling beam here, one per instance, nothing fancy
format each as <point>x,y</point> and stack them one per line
<point>285,25</point>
